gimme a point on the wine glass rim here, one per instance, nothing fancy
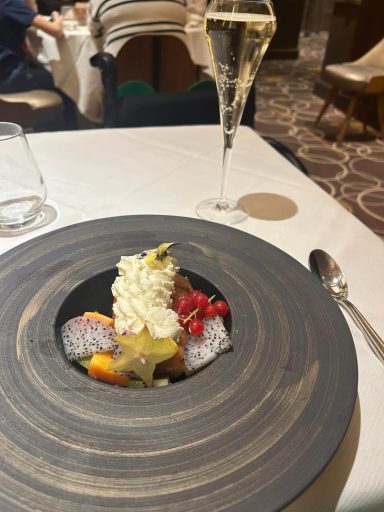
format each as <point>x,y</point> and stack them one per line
<point>6,136</point>
<point>226,3</point>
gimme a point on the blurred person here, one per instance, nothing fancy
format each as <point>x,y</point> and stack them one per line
<point>81,10</point>
<point>114,22</point>
<point>16,74</point>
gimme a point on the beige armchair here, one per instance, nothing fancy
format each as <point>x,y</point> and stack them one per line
<point>33,110</point>
<point>362,77</point>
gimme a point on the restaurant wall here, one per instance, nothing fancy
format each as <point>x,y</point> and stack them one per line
<point>285,42</point>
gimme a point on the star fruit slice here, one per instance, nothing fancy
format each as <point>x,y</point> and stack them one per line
<point>141,354</point>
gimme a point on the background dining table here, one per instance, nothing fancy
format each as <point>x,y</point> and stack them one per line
<point>93,174</point>
<point>67,58</point>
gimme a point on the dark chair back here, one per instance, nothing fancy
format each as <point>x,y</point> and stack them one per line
<point>287,153</point>
<point>164,63</point>
<point>179,108</point>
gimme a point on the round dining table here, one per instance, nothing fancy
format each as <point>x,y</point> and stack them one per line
<point>104,173</point>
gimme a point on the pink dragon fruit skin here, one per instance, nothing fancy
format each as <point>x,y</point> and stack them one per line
<point>84,336</point>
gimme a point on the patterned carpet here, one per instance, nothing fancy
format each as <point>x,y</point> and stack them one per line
<point>353,172</point>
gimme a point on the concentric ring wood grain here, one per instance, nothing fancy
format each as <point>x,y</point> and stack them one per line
<point>249,433</point>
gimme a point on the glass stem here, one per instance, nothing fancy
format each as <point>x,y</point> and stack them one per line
<point>225,173</point>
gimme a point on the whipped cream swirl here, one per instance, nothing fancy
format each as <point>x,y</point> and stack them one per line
<point>143,297</point>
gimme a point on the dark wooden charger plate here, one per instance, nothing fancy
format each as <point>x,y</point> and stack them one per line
<point>248,433</point>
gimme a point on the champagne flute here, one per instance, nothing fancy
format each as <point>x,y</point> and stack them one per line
<point>238,34</point>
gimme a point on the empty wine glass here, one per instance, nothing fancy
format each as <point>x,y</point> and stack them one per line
<point>22,188</point>
<point>68,13</point>
<point>238,34</point>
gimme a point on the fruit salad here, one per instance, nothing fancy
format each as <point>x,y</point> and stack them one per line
<point>160,330</point>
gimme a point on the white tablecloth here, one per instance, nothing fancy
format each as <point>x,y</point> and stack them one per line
<point>101,173</point>
<point>67,59</point>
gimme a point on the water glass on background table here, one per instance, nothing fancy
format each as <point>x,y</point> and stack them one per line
<point>22,188</point>
<point>238,34</point>
<point>70,21</point>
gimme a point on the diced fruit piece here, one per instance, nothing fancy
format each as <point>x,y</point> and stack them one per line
<point>98,369</point>
<point>84,361</point>
<point>98,316</point>
<point>84,336</point>
<point>182,289</point>
<point>157,383</point>
<point>196,327</point>
<point>173,367</point>
<point>221,307</point>
<point>141,354</point>
<point>210,310</point>
<point>201,350</point>
<point>135,383</point>
<point>182,284</point>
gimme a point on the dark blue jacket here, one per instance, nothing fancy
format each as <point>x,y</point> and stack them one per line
<point>15,18</point>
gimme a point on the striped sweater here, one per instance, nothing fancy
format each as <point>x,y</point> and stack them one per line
<point>114,22</point>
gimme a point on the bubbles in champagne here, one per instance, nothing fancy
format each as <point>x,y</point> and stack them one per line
<point>235,89</point>
<point>237,44</point>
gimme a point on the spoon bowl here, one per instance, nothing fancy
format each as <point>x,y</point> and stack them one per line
<point>335,282</point>
<point>330,274</point>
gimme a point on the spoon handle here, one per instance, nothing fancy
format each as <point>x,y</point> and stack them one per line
<point>375,342</point>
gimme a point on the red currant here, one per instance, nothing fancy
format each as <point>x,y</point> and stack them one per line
<point>193,294</point>
<point>210,310</point>
<point>184,305</point>
<point>221,307</point>
<point>201,300</point>
<point>200,314</point>
<point>196,327</point>
<point>183,321</point>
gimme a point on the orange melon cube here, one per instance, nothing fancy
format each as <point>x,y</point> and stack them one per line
<point>98,316</point>
<point>98,369</point>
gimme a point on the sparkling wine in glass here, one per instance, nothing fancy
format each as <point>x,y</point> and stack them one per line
<point>238,34</point>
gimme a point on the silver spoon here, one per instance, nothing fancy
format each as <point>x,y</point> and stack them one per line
<point>334,281</point>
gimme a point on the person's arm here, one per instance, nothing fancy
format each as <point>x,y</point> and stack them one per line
<point>54,26</point>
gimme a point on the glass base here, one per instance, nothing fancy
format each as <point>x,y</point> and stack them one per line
<point>222,210</point>
<point>47,215</point>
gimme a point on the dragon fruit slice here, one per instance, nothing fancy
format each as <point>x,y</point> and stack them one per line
<point>201,350</point>
<point>84,336</point>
